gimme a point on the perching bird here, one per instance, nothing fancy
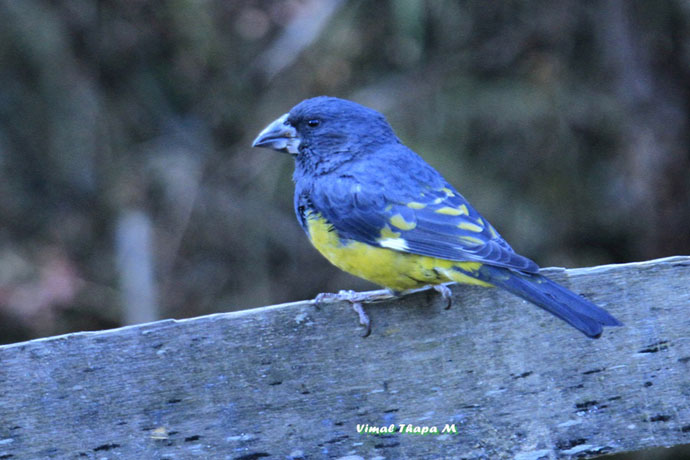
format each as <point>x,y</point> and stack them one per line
<point>377,210</point>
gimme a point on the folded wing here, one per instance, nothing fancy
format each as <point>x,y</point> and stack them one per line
<point>411,208</point>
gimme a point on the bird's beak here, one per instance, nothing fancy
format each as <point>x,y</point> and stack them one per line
<point>280,136</point>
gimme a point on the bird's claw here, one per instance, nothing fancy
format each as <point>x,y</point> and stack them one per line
<point>356,299</point>
<point>445,293</point>
<point>323,297</point>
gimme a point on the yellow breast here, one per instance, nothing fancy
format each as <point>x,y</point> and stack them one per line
<point>387,267</point>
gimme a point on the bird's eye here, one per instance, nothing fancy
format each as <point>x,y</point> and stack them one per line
<point>313,123</point>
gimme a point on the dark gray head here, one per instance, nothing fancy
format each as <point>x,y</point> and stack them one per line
<point>324,132</point>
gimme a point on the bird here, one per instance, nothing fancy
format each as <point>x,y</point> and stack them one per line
<point>376,209</point>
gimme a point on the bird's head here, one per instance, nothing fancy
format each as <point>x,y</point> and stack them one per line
<point>326,130</point>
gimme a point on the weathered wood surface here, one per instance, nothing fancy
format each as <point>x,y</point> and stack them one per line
<point>290,381</point>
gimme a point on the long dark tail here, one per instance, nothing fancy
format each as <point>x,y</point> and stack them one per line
<point>552,297</point>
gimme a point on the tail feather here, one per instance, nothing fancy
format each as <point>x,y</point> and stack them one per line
<point>552,297</point>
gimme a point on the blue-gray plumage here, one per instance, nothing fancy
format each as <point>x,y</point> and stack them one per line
<point>375,208</point>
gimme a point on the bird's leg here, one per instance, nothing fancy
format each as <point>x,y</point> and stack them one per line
<point>356,299</point>
<point>445,292</point>
<point>363,318</point>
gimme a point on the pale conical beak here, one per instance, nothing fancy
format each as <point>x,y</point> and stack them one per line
<point>280,136</point>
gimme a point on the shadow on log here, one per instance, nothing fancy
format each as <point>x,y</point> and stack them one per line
<point>504,379</point>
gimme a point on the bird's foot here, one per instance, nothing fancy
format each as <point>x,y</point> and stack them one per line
<point>356,299</point>
<point>445,292</point>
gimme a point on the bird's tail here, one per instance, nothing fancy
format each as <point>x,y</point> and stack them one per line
<point>552,297</point>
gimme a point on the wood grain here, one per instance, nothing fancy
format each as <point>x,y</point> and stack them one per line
<point>293,381</point>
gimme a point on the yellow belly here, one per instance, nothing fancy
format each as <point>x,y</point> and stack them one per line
<point>393,269</point>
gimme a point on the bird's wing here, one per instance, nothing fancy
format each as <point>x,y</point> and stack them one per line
<point>426,217</point>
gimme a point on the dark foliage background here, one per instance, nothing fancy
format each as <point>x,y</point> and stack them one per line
<point>564,122</point>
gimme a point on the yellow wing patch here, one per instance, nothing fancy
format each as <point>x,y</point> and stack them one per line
<point>471,240</point>
<point>416,205</point>
<point>399,222</point>
<point>469,226</point>
<point>448,192</point>
<point>386,232</point>
<point>447,210</point>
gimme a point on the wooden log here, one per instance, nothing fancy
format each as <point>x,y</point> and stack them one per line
<point>504,378</point>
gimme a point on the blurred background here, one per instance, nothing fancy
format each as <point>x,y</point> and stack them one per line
<point>130,190</point>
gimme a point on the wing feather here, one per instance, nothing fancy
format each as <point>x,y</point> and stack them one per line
<point>411,208</point>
